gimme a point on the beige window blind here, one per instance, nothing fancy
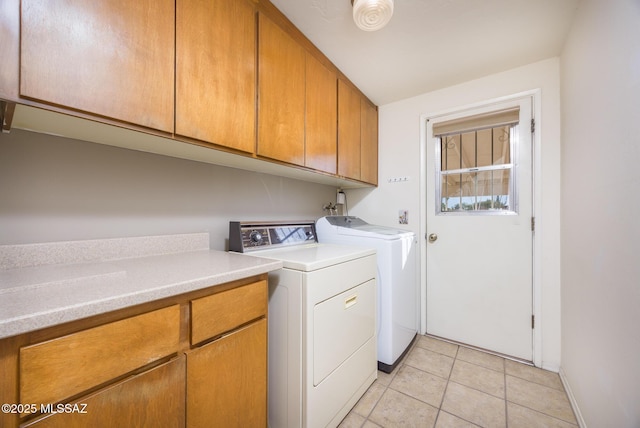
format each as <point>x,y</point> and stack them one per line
<point>477,122</point>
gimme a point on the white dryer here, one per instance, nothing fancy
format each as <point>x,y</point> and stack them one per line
<point>322,322</point>
<point>397,285</point>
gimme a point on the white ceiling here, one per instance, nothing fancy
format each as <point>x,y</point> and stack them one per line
<point>432,44</point>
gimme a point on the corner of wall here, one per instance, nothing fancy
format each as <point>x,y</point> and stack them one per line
<point>572,399</point>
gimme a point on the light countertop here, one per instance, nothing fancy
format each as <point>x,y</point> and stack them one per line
<point>42,285</point>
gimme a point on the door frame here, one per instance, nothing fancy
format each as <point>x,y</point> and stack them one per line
<point>535,96</point>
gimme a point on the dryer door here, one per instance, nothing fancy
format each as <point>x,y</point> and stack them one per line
<point>341,325</point>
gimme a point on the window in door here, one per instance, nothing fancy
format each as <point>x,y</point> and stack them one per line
<point>475,170</point>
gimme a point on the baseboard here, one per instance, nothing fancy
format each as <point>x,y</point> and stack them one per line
<point>551,368</point>
<point>572,400</point>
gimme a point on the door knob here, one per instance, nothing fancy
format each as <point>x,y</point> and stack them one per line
<point>433,237</point>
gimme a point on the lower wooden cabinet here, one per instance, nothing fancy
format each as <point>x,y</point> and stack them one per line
<point>211,316</point>
<point>227,380</point>
<point>155,398</point>
<point>196,360</point>
<point>96,355</point>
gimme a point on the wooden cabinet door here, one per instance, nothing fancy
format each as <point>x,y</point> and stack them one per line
<point>321,117</point>
<point>111,58</point>
<point>281,94</point>
<point>216,72</point>
<point>227,380</point>
<point>155,398</point>
<point>368,143</point>
<point>348,131</point>
<point>10,48</point>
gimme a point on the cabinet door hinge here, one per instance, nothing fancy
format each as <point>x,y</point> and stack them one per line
<point>533,224</point>
<point>533,126</point>
<point>533,321</point>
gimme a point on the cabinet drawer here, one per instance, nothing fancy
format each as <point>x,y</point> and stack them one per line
<point>221,312</point>
<point>155,398</point>
<point>63,367</point>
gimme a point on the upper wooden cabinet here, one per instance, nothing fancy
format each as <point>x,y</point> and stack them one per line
<point>321,112</point>
<point>107,57</point>
<point>281,94</point>
<point>228,74</point>
<point>348,131</point>
<point>357,136</point>
<point>216,72</point>
<point>10,48</point>
<point>368,142</point>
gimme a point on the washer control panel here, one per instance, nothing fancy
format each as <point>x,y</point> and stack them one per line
<point>248,236</point>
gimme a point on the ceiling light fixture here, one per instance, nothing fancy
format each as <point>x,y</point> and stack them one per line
<point>372,15</point>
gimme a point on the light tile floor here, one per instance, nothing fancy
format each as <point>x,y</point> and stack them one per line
<point>442,385</point>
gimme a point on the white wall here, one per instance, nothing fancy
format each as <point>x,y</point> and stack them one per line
<point>400,157</point>
<point>601,212</point>
<point>55,189</point>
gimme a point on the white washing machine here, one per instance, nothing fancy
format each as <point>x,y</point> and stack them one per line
<point>322,322</point>
<point>397,285</point>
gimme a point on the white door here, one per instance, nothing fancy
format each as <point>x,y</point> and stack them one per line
<point>479,228</point>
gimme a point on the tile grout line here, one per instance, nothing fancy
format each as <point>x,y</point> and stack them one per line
<point>444,393</point>
<point>387,386</point>
<point>455,358</point>
<point>534,382</point>
<point>528,407</point>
